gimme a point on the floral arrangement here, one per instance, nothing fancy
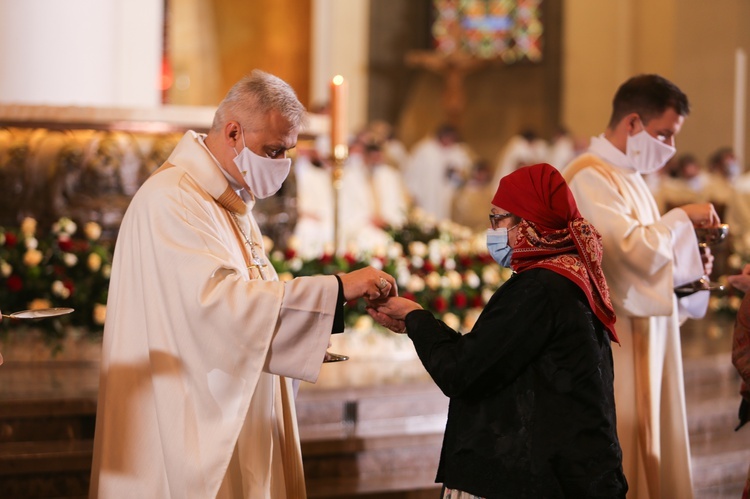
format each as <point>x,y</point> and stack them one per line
<point>444,267</point>
<point>59,269</point>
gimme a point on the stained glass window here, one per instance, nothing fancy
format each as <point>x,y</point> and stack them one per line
<point>510,30</point>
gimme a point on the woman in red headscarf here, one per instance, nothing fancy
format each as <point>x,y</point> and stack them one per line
<point>532,410</point>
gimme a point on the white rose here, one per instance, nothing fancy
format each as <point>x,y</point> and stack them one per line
<point>31,243</point>
<point>395,250</point>
<point>267,243</point>
<point>70,226</point>
<point>285,276</point>
<point>417,262</point>
<point>32,258</point>
<point>380,250</point>
<point>472,279</point>
<point>59,289</point>
<point>70,259</point>
<point>28,227</point>
<point>471,318</point>
<point>295,264</point>
<point>5,269</point>
<point>293,243</point>
<point>2,238</point>
<point>39,303</point>
<point>92,231</point>
<point>402,275</point>
<point>452,321</point>
<point>454,279</point>
<point>433,280</point>
<point>376,263</point>
<point>487,294</point>
<point>415,284</point>
<point>106,271</point>
<point>450,264</point>
<point>418,248</point>
<point>490,275</point>
<point>99,313</point>
<point>94,262</point>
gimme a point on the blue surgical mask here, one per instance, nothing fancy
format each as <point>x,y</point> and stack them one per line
<point>497,245</point>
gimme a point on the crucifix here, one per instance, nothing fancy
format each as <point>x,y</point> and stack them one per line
<point>453,67</point>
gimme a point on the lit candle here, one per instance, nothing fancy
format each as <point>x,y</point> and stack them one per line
<point>740,90</point>
<point>339,134</point>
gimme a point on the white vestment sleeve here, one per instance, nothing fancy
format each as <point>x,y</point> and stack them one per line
<point>687,265</point>
<point>304,328</point>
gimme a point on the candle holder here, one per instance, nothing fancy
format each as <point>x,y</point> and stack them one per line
<point>340,154</point>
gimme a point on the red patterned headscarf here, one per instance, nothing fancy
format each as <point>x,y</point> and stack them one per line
<point>553,234</point>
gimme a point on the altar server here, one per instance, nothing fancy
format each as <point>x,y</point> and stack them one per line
<point>201,339</point>
<point>645,257</point>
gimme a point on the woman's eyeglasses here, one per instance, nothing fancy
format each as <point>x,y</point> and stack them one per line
<point>496,217</point>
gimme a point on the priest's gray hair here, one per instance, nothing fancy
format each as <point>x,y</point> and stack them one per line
<point>256,95</point>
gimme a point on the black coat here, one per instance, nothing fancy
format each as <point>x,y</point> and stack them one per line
<point>532,411</point>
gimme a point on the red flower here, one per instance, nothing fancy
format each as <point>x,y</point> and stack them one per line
<point>428,266</point>
<point>464,261</point>
<point>289,254</point>
<point>350,259</point>
<point>459,300</point>
<point>327,258</point>
<point>69,285</point>
<point>409,296</point>
<point>440,304</point>
<point>15,284</point>
<point>10,239</point>
<point>477,302</point>
<point>65,244</point>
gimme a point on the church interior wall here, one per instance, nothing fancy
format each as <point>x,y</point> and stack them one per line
<point>690,42</point>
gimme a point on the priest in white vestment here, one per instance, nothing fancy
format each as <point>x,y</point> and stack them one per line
<point>645,257</point>
<point>438,165</point>
<point>372,197</point>
<point>201,340</point>
<point>313,231</point>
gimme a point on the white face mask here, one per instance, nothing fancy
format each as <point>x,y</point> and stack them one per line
<point>264,176</point>
<point>733,170</point>
<point>648,154</point>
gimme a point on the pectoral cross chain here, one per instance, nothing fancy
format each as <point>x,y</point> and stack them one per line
<point>258,262</point>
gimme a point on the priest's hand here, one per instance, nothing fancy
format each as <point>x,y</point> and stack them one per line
<point>707,258</point>
<point>741,281</point>
<point>369,283</point>
<point>702,214</point>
